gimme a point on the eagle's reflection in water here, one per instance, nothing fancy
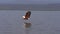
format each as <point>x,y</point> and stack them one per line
<point>27,27</point>
<point>27,30</point>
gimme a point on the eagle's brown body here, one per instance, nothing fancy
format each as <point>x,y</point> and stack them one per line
<point>27,15</point>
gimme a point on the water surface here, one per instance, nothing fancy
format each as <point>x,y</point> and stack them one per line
<point>43,22</point>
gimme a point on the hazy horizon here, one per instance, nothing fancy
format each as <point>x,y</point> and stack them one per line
<point>37,7</point>
<point>30,5</point>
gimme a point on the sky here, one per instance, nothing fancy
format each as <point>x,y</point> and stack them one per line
<point>28,1</point>
<point>53,1</point>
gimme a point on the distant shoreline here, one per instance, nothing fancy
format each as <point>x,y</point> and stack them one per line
<point>35,7</point>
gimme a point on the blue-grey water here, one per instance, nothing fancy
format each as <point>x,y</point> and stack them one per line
<point>43,22</point>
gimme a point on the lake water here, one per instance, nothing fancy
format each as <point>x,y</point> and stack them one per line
<point>43,22</point>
